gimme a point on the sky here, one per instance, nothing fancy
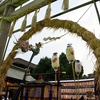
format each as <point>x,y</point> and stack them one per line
<point>82,52</point>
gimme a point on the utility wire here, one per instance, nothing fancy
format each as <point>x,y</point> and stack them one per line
<point>84,13</point>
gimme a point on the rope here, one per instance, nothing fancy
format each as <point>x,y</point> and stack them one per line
<point>10,19</point>
<point>84,13</point>
<point>55,38</point>
<point>82,5</point>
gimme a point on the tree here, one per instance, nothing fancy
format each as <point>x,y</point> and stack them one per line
<point>67,67</point>
<point>44,67</point>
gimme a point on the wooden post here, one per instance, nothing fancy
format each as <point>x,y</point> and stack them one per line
<point>4,29</point>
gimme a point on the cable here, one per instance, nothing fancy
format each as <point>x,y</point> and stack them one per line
<point>84,13</point>
<point>55,38</point>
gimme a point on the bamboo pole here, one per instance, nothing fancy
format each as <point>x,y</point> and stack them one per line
<point>96,11</point>
<point>4,29</point>
<point>66,11</point>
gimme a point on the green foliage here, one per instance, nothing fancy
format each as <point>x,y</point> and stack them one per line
<point>65,66</point>
<point>44,67</point>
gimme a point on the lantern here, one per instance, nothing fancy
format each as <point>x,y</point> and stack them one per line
<point>70,53</point>
<point>55,66</point>
<point>55,61</point>
<point>78,67</point>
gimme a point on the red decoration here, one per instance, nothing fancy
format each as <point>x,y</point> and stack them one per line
<point>54,60</point>
<point>40,76</point>
<point>24,45</point>
<point>72,52</point>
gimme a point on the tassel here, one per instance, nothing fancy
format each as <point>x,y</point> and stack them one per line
<point>34,19</point>
<point>48,12</point>
<point>11,28</point>
<point>23,26</point>
<point>65,4</point>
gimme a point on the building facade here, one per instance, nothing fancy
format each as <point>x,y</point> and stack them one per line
<point>68,89</point>
<point>71,89</point>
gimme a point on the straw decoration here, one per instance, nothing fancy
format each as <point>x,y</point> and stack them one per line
<point>74,29</point>
<point>48,12</point>
<point>4,68</point>
<point>51,38</point>
<point>23,26</point>
<point>34,19</point>
<point>11,28</point>
<point>65,4</point>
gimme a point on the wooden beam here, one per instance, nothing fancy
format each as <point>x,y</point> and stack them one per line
<point>96,8</point>
<point>61,13</point>
<point>74,8</point>
<point>4,29</point>
<point>36,4</point>
<point>3,5</point>
<point>15,3</point>
<point>18,2</point>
